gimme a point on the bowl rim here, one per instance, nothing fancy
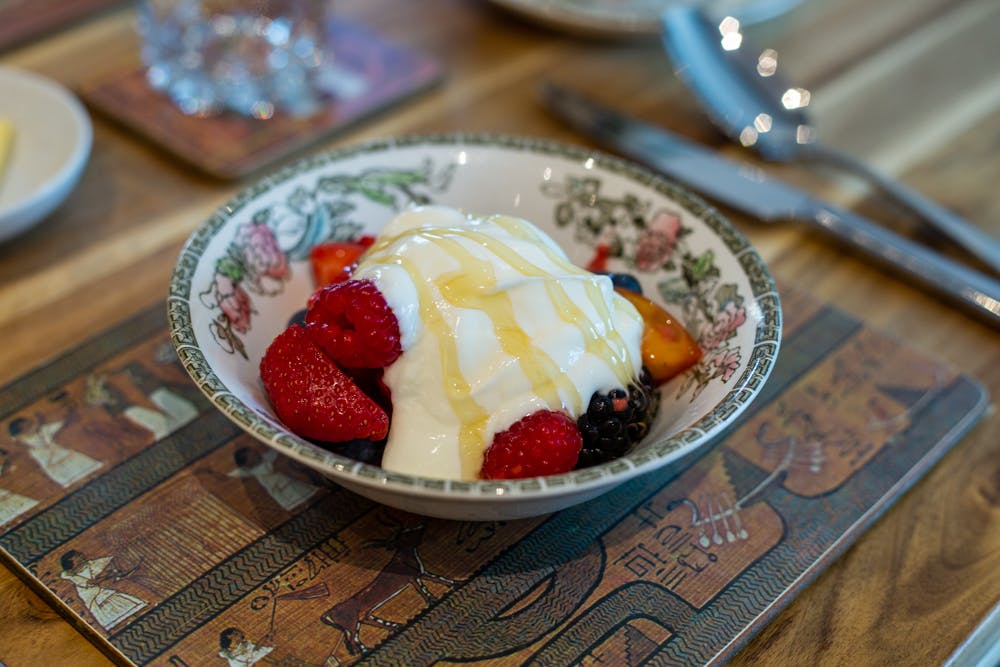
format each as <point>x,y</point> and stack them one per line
<point>767,337</point>
<point>70,167</point>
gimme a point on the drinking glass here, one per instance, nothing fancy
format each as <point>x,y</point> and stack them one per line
<point>251,57</point>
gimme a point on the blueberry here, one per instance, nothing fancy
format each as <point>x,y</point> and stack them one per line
<point>298,318</point>
<point>625,281</point>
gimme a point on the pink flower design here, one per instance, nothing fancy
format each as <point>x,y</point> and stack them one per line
<point>727,321</point>
<point>726,364</point>
<point>234,302</point>
<point>261,254</point>
<point>658,241</point>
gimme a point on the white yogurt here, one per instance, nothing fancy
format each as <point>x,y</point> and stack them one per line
<point>495,323</point>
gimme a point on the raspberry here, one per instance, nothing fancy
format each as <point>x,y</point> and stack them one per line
<point>543,443</point>
<point>313,397</point>
<point>615,421</point>
<point>354,325</point>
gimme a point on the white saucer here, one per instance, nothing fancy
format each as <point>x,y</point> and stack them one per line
<point>52,140</point>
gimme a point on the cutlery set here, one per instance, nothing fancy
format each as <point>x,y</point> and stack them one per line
<point>735,96</point>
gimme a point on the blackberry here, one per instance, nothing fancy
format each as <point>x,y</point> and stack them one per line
<point>617,420</point>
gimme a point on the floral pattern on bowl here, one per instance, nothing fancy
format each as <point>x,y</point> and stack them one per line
<point>654,241</point>
<point>245,272</point>
<point>257,260</point>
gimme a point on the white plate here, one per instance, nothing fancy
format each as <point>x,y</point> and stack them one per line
<point>245,272</point>
<point>52,139</point>
<point>623,18</point>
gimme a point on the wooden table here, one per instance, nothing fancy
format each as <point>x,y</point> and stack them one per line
<point>912,86</point>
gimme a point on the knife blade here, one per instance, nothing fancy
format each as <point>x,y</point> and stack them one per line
<point>749,189</point>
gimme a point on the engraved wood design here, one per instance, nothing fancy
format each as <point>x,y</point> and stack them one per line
<point>203,545</point>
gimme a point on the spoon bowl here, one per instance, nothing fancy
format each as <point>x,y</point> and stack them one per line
<point>726,77</point>
<point>744,95</point>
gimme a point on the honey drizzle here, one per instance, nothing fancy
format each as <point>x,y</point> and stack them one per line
<point>473,286</point>
<point>611,348</point>
<point>472,417</point>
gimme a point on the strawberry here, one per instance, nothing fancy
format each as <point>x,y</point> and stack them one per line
<point>667,347</point>
<point>313,397</point>
<point>599,262</point>
<point>370,381</point>
<point>335,261</point>
<point>543,443</point>
<point>354,325</point>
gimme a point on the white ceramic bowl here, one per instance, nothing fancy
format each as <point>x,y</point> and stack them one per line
<point>52,139</point>
<point>245,272</point>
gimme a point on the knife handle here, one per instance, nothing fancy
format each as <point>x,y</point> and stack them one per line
<point>973,239</point>
<point>979,293</point>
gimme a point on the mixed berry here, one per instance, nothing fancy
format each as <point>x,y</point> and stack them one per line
<point>323,376</point>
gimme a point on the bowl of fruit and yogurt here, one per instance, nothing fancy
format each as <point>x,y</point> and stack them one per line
<point>466,347</point>
<point>474,326</point>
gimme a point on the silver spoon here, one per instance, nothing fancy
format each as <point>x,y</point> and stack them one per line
<point>748,100</point>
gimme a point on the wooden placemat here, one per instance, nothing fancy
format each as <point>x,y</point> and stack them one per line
<point>381,75</point>
<point>23,20</point>
<point>169,537</point>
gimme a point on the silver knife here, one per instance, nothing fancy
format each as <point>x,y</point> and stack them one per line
<point>749,189</point>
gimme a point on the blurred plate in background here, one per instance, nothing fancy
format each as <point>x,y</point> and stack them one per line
<point>623,18</point>
<point>51,144</point>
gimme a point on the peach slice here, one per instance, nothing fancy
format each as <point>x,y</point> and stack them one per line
<point>667,347</point>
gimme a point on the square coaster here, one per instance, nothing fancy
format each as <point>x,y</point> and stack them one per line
<point>230,146</point>
<point>21,20</point>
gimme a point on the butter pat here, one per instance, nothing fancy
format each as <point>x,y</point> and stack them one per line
<point>6,142</point>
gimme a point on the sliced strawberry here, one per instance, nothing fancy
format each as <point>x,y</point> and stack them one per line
<point>599,262</point>
<point>313,397</point>
<point>354,325</point>
<point>543,443</point>
<point>335,261</point>
<point>667,347</point>
<point>370,381</point>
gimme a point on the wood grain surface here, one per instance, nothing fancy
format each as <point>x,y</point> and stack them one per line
<point>910,85</point>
